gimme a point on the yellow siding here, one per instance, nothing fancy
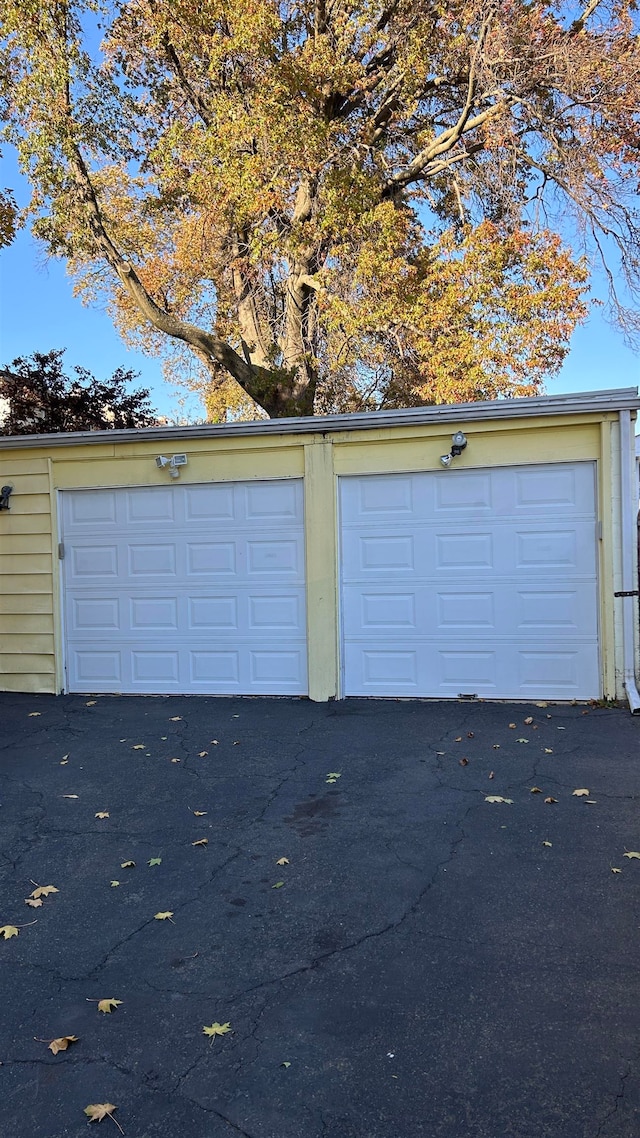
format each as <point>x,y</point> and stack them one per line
<point>27,655</point>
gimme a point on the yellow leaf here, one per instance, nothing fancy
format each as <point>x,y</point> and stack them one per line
<point>90,703</point>
<point>138,746</point>
<point>70,796</point>
<point>535,790</point>
<point>96,1111</point>
<point>581,793</point>
<point>522,740</point>
<point>44,891</point>
<point>154,861</point>
<point>615,870</point>
<point>202,754</point>
<point>102,814</point>
<point>633,854</point>
<point>108,1005</point>
<point>34,902</point>
<point>278,885</point>
<point>201,842</point>
<point>529,720</point>
<point>199,813</point>
<point>282,861</point>
<point>62,1043</point>
<point>548,751</point>
<point>164,916</point>
<point>498,798</point>
<point>542,704</point>
<point>175,760</point>
<point>63,762</point>
<point>217,1029</point>
<point>7,931</point>
<point>512,725</point>
<point>175,719</point>
<point>547,843</point>
<point>214,741</point>
<point>127,864</point>
<point>114,883</point>
<point>32,714</point>
<point>550,800</point>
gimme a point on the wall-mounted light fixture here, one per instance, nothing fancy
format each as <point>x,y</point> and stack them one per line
<point>5,494</point>
<point>172,464</point>
<point>459,442</point>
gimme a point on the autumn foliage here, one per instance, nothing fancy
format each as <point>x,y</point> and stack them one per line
<point>333,204</point>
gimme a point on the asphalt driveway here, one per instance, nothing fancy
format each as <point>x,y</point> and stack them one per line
<point>426,963</point>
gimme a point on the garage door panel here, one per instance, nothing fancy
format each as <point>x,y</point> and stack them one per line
<point>489,587</point>
<point>183,609</point>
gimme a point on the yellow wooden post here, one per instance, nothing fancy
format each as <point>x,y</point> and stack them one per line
<point>321,558</point>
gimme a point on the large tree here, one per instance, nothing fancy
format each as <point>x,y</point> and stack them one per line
<point>37,397</point>
<point>333,203</point>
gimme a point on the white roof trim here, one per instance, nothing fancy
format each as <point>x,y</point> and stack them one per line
<point>583,402</point>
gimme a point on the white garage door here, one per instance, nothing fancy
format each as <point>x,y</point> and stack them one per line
<point>471,582</point>
<point>185,589</point>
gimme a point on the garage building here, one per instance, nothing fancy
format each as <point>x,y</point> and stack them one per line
<point>483,550</point>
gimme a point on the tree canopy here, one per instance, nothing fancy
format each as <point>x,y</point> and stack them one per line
<point>334,204</point>
<point>36,397</point>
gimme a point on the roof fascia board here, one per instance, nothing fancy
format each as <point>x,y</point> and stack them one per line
<point>589,402</point>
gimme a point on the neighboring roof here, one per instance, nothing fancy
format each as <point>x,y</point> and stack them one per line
<point>624,398</point>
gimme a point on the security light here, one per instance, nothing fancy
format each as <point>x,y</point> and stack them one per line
<point>445,459</point>
<point>161,461</point>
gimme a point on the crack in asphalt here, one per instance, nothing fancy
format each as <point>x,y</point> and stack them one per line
<point>619,1096</point>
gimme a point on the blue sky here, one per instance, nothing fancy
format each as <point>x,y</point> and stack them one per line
<point>38,312</point>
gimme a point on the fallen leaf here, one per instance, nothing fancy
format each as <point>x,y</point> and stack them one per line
<point>70,796</point>
<point>529,720</point>
<point>559,728</point>
<point>333,776</point>
<point>498,798</point>
<point>108,1005</point>
<point>496,746</point>
<point>65,757</point>
<point>512,726</point>
<point>548,751</point>
<point>154,861</point>
<point>535,727</point>
<point>175,760</point>
<point>43,891</point>
<point>591,801</point>
<point>632,855</point>
<point>102,814</point>
<point>96,1111</point>
<point>235,716</point>
<point>463,762</point>
<point>282,861</point>
<point>441,752</point>
<point>581,794</point>
<point>60,1044</point>
<point>163,738</point>
<point>542,704</point>
<point>201,842</point>
<point>469,734</point>
<point>615,870</point>
<point>7,931</point>
<point>175,719</point>
<point>236,742</point>
<point>215,741</point>
<point>91,703</point>
<point>522,740</point>
<point>199,813</point>
<point>35,902</point>
<point>127,864</point>
<point>32,714</point>
<point>217,1029</point>
<point>550,800</point>
<point>491,774</point>
<point>201,754</point>
<point>114,883</point>
<point>278,885</point>
<point>63,762</point>
<point>458,739</point>
<point>535,790</point>
<point>547,843</point>
<point>285,1064</point>
<point>164,916</point>
<point>138,747</point>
